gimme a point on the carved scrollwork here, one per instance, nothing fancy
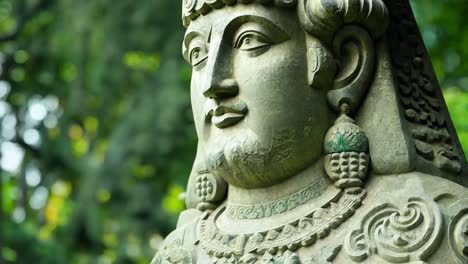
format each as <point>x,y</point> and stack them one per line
<point>458,230</point>
<point>398,236</point>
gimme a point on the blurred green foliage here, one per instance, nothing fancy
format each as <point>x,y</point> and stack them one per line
<point>97,137</point>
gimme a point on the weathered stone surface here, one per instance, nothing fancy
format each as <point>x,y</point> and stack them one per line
<point>323,138</point>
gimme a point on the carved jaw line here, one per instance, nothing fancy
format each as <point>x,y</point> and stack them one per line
<point>191,9</point>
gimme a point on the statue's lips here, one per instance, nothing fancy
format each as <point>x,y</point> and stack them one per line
<point>224,116</point>
<point>226,120</point>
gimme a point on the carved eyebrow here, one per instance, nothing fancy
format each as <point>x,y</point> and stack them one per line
<point>186,42</point>
<point>189,37</point>
<point>257,22</point>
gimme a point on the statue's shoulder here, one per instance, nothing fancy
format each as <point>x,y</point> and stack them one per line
<point>409,218</point>
<point>181,245</point>
<point>416,184</point>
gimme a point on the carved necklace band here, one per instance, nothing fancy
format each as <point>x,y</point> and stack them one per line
<point>279,206</point>
<point>301,232</point>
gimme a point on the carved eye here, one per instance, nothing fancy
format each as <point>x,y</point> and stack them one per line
<point>252,40</point>
<point>198,55</point>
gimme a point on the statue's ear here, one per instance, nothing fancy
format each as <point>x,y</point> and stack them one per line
<point>354,54</point>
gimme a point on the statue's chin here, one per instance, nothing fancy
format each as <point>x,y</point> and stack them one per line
<point>245,162</point>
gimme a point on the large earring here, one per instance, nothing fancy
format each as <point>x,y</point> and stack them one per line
<point>346,147</point>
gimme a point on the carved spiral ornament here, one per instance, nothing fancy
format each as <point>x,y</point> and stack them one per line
<point>398,236</point>
<point>458,230</point>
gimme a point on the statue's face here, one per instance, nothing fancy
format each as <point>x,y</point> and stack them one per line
<point>258,120</point>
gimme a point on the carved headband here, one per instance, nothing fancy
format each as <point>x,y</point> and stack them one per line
<point>318,17</point>
<point>191,9</point>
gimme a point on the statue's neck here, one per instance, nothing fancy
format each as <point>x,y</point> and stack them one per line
<point>253,210</point>
<point>306,185</point>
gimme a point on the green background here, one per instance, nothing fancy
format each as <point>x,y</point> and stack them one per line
<point>97,137</point>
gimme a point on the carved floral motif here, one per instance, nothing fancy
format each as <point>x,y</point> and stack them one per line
<point>398,236</point>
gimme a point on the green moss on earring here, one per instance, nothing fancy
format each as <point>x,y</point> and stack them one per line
<point>345,136</point>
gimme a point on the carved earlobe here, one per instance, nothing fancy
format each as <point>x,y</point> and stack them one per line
<point>354,50</point>
<point>204,191</point>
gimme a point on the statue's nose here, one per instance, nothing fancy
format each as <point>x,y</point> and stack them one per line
<point>224,88</point>
<point>219,82</point>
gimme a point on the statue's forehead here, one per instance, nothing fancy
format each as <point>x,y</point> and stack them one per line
<point>219,19</point>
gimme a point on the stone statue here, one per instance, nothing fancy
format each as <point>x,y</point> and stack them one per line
<point>323,138</point>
